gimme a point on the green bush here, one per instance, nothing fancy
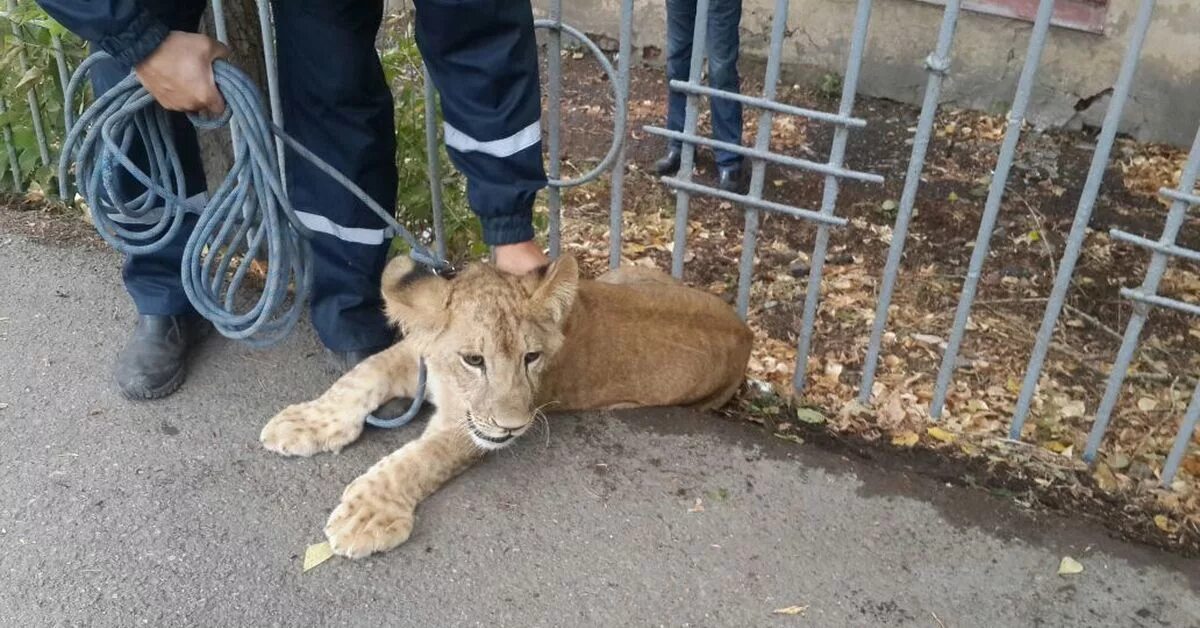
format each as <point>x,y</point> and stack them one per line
<point>35,32</point>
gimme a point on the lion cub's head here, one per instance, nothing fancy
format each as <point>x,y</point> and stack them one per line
<point>486,336</point>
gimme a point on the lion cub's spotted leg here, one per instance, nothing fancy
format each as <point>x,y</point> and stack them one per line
<point>376,511</point>
<point>335,419</point>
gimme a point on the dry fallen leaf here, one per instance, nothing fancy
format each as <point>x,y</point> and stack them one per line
<point>905,439</point>
<point>1074,409</point>
<point>316,554</point>
<point>1146,404</point>
<point>698,507</point>
<point>1055,446</point>
<point>1105,478</point>
<point>791,610</point>
<point>1165,524</point>
<point>940,434</point>
<point>808,415</point>
<point>1069,566</point>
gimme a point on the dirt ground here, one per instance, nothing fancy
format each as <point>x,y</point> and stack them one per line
<point>1042,195</point>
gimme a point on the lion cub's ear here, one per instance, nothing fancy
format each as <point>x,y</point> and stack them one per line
<point>555,289</point>
<point>414,297</point>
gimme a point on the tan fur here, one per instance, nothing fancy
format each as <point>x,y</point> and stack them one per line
<point>632,338</point>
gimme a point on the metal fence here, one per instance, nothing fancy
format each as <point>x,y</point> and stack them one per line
<point>938,65</point>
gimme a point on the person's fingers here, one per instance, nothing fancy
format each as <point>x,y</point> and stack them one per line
<point>214,102</point>
<point>220,50</point>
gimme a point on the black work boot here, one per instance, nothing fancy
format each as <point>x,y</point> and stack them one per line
<point>669,164</point>
<point>340,362</point>
<point>153,363</point>
<point>730,179</point>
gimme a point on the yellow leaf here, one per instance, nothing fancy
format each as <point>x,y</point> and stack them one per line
<point>1105,478</point>
<point>905,439</point>
<point>1165,524</point>
<point>791,437</point>
<point>791,610</point>
<point>808,415</point>
<point>317,554</point>
<point>1055,446</point>
<point>1069,566</point>
<point>941,434</point>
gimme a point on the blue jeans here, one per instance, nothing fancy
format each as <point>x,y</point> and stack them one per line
<point>724,19</point>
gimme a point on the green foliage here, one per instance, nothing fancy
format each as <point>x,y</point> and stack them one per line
<point>414,202</point>
<point>34,38</point>
<point>831,85</point>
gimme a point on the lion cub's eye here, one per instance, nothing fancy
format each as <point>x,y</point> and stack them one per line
<point>473,360</point>
<point>533,356</point>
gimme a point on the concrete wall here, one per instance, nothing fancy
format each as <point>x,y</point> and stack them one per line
<point>988,54</point>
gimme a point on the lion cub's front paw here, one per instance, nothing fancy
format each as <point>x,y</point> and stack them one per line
<point>367,520</point>
<point>307,428</point>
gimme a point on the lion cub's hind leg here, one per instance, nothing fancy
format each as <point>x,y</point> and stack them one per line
<point>335,419</point>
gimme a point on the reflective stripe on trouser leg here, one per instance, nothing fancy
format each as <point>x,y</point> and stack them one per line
<point>482,56</point>
<point>337,103</point>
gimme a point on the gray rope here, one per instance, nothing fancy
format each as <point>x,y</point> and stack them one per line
<point>248,217</point>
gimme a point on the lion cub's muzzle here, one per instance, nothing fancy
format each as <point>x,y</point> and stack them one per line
<point>490,436</point>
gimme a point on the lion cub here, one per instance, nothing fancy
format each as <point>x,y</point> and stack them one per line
<point>498,349</point>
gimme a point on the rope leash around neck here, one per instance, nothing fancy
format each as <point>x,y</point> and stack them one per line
<point>248,217</point>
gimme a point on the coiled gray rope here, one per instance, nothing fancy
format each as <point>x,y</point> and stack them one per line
<point>248,217</point>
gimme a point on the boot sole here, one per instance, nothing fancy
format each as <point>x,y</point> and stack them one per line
<point>165,390</point>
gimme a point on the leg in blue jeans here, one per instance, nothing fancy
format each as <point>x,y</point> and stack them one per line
<point>724,20</point>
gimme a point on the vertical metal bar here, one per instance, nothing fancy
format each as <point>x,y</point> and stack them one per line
<point>554,124</point>
<point>1083,215</point>
<point>218,13</point>
<point>1004,162</point>
<point>1154,274</point>
<point>433,156</point>
<point>837,155</point>
<point>35,108</point>
<point>60,60</point>
<point>762,142</point>
<point>937,65</point>
<point>1190,419</point>
<point>271,62</point>
<point>621,112</point>
<point>687,156</point>
<point>13,165</point>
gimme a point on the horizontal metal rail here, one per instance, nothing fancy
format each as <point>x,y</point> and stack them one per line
<point>754,153</point>
<point>757,203</point>
<point>1160,301</point>
<point>1158,247</point>
<point>770,105</point>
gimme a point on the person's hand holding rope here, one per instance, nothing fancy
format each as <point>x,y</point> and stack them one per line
<point>179,74</point>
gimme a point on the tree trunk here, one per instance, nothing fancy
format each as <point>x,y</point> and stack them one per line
<point>245,42</point>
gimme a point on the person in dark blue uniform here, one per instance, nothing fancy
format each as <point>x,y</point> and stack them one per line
<point>482,56</point>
